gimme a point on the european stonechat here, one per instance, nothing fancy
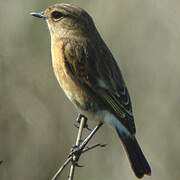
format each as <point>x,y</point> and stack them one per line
<point>90,77</point>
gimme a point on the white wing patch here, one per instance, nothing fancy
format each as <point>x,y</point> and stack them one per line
<point>113,121</point>
<point>101,84</point>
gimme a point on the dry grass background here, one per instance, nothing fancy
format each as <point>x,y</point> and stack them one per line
<point>36,119</point>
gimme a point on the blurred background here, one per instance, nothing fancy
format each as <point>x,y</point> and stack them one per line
<point>36,119</point>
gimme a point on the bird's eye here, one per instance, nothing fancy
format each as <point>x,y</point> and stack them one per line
<point>57,15</point>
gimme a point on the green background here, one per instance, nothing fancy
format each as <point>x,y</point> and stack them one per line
<point>36,119</point>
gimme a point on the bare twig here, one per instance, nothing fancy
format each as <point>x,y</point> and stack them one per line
<point>92,147</point>
<point>74,155</point>
<point>89,137</point>
<point>70,159</point>
<point>61,168</point>
<point>78,140</point>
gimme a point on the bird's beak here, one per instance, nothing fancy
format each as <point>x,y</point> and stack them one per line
<point>39,15</point>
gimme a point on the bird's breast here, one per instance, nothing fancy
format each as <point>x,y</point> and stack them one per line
<point>72,89</point>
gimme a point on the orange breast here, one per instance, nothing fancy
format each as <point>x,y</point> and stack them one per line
<point>70,87</point>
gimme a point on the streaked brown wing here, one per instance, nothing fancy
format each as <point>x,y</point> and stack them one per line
<point>86,67</point>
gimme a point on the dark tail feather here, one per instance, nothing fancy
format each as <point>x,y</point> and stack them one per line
<point>136,157</point>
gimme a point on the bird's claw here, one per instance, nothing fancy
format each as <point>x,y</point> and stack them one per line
<point>75,150</point>
<point>76,164</point>
<point>78,120</point>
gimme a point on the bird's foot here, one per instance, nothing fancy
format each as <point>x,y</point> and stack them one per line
<point>78,120</point>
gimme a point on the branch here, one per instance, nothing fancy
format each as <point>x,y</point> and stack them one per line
<point>75,155</point>
<point>61,168</point>
<point>78,140</point>
<point>70,159</point>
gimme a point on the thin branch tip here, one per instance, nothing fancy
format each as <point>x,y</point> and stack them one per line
<point>79,147</point>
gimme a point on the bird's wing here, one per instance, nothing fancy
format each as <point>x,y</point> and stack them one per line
<point>100,76</point>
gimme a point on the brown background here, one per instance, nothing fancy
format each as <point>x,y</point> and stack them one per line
<point>36,119</point>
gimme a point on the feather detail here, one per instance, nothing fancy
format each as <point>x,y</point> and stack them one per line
<point>81,65</point>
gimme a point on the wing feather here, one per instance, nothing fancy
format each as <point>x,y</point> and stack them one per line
<point>87,68</point>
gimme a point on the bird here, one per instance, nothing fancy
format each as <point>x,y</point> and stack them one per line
<point>90,76</point>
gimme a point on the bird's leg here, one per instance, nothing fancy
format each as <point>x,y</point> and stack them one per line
<point>78,120</point>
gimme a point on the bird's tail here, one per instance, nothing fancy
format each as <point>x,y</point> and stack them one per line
<point>136,157</point>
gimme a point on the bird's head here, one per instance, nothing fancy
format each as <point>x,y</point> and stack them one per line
<point>64,20</point>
